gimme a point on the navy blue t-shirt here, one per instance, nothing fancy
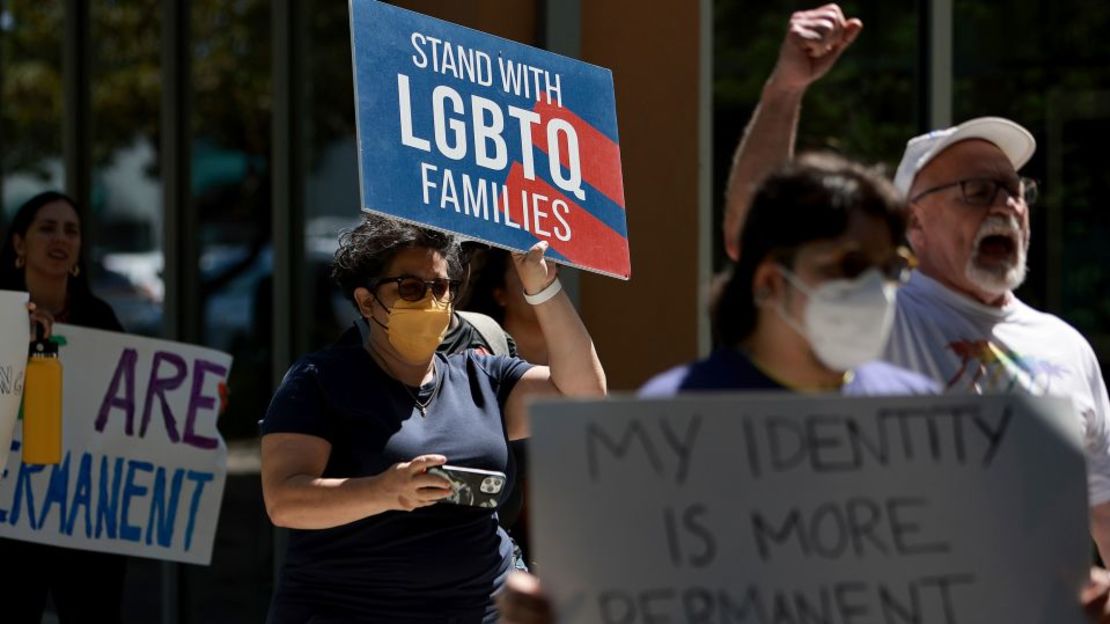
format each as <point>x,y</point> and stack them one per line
<point>441,563</point>
<point>729,369</point>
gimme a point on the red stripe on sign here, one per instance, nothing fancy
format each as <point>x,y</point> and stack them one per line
<point>601,157</point>
<point>570,229</point>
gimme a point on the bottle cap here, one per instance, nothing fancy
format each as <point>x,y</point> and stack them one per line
<point>42,347</point>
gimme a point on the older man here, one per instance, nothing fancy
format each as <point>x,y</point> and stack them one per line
<point>958,320</point>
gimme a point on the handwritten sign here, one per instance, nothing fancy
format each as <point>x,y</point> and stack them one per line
<point>794,510</point>
<point>14,336</point>
<point>465,132</point>
<point>143,466</point>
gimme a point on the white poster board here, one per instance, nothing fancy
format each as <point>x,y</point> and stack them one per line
<point>143,465</point>
<point>15,333</point>
<point>791,510</point>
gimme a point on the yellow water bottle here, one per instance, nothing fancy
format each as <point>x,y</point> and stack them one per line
<point>42,403</point>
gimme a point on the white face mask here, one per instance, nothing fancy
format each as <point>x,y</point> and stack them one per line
<point>846,321</point>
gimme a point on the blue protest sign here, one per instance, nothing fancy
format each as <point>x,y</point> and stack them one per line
<point>497,141</point>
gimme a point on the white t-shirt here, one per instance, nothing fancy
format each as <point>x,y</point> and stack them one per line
<point>971,347</point>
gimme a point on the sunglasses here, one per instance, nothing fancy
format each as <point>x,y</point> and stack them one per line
<point>984,191</point>
<point>853,264</point>
<point>412,288</point>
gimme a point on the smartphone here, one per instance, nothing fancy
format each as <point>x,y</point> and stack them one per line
<point>471,486</point>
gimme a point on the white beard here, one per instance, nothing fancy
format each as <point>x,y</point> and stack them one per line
<point>999,280</point>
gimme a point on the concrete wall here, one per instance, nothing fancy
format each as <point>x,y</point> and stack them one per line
<point>651,322</point>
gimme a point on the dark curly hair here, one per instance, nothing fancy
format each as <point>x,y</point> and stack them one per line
<point>365,250</point>
<point>808,200</point>
<point>12,277</point>
<point>487,275</point>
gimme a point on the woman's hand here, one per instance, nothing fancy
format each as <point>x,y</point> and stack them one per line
<point>1095,597</point>
<point>407,485</point>
<point>535,272</point>
<point>298,496</point>
<point>523,601</point>
<point>40,317</point>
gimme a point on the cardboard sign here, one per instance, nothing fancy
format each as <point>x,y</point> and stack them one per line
<point>794,510</point>
<point>143,466</point>
<point>14,337</point>
<point>491,139</point>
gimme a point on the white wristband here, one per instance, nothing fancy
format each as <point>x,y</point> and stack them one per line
<point>547,293</point>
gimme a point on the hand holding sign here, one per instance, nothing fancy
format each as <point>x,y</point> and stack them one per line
<point>40,317</point>
<point>143,466</point>
<point>536,273</point>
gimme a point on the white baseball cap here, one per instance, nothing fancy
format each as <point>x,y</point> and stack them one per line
<point>1014,141</point>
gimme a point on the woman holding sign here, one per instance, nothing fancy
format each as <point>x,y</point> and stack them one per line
<point>42,255</point>
<point>357,441</point>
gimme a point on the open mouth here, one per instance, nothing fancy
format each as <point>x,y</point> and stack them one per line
<point>57,254</point>
<point>999,246</point>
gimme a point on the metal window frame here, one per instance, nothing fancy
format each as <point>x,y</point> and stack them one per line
<point>935,54</point>
<point>180,229</point>
<point>707,233</point>
<point>288,173</point>
<point>77,105</point>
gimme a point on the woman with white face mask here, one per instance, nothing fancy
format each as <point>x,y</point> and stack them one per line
<point>809,305</point>
<point>352,432</point>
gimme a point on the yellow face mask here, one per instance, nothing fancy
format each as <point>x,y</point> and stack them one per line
<point>417,327</point>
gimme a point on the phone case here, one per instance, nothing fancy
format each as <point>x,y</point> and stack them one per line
<point>473,487</point>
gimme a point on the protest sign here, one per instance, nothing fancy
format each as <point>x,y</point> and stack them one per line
<point>14,337</point>
<point>143,467</point>
<point>497,141</point>
<point>796,510</point>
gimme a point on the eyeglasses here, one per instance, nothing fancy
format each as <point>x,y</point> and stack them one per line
<point>412,288</point>
<point>855,263</point>
<point>984,191</point>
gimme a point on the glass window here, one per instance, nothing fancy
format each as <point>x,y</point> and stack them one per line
<point>230,187</point>
<point>31,107</point>
<point>1055,81</point>
<point>126,197</point>
<point>331,160</point>
<point>126,200</point>
<point>864,107</point>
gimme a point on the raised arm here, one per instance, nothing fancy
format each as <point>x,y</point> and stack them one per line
<point>573,367</point>
<point>814,40</point>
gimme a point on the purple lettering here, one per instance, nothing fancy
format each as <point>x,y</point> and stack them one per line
<point>197,401</point>
<point>125,372</point>
<point>158,387</point>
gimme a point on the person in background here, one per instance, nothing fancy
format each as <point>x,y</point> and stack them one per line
<point>497,293</point>
<point>352,431</point>
<point>958,320</point>
<point>42,254</point>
